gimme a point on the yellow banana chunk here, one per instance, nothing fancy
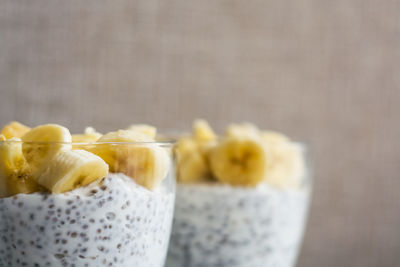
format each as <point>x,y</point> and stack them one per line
<point>239,161</point>
<point>242,130</point>
<point>15,176</point>
<point>285,167</point>
<point>129,136</point>
<point>36,148</point>
<point>192,163</point>
<point>147,163</point>
<point>145,129</point>
<point>14,129</point>
<point>2,138</point>
<point>90,135</point>
<point>71,169</point>
<point>202,131</point>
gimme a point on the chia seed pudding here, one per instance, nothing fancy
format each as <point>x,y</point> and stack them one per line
<point>114,222</point>
<point>221,225</point>
<point>242,198</point>
<point>84,200</point>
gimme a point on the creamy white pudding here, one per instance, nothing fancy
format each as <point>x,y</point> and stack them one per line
<point>221,225</point>
<point>111,222</point>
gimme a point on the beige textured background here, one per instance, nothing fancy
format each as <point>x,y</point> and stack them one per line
<point>327,72</point>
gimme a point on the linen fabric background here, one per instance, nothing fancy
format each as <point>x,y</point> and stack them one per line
<point>325,72</point>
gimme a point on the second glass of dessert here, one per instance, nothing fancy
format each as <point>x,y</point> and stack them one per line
<point>84,200</point>
<point>242,198</point>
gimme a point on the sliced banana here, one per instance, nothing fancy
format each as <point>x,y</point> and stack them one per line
<point>245,156</point>
<point>286,166</point>
<point>192,151</point>
<point>38,151</point>
<point>239,161</point>
<point>11,156</point>
<point>2,138</point>
<point>128,136</point>
<point>15,175</point>
<point>192,163</point>
<point>71,169</point>
<point>146,129</point>
<point>14,129</point>
<point>147,163</point>
<point>202,131</point>
<point>242,130</point>
<point>193,169</point>
<point>90,135</point>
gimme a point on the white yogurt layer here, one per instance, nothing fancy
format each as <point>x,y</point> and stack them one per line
<point>112,223</point>
<point>225,226</point>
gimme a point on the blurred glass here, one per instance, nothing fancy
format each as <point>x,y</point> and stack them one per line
<point>112,221</point>
<point>225,226</point>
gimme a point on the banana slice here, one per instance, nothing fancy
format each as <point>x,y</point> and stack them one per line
<point>2,138</point>
<point>71,169</point>
<point>192,163</point>
<point>239,161</point>
<point>15,176</point>
<point>286,165</point>
<point>14,129</point>
<point>147,163</point>
<point>39,152</point>
<point>145,129</point>
<point>128,136</point>
<point>90,135</point>
<point>245,129</point>
<point>192,151</point>
<point>202,131</point>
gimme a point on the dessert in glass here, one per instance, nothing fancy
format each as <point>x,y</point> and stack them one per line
<point>242,198</point>
<point>84,200</point>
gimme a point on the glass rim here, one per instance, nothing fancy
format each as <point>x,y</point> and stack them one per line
<point>305,145</point>
<point>169,142</point>
<point>174,137</point>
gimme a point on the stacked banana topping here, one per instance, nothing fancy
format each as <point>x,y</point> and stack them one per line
<point>243,156</point>
<point>49,158</point>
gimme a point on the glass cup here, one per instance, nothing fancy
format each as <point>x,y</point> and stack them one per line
<point>225,226</point>
<point>112,221</point>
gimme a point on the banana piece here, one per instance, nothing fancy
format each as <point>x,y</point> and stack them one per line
<point>71,169</point>
<point>192,162</point>
<point>90,135</point>
<point>145,129</point>
<point>2,138</point>
<point>14,129</point>
<point>202,131</point>
<point>36,149</point>
<point>242,130</point>
<point>286,166</point>
<point>239,161</point>
<point>128,136</point>
<point>147,163</point>
<point>15,176</point>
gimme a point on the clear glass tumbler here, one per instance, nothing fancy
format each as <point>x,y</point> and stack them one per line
<point>113,221</point>
<point>225,226</point>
